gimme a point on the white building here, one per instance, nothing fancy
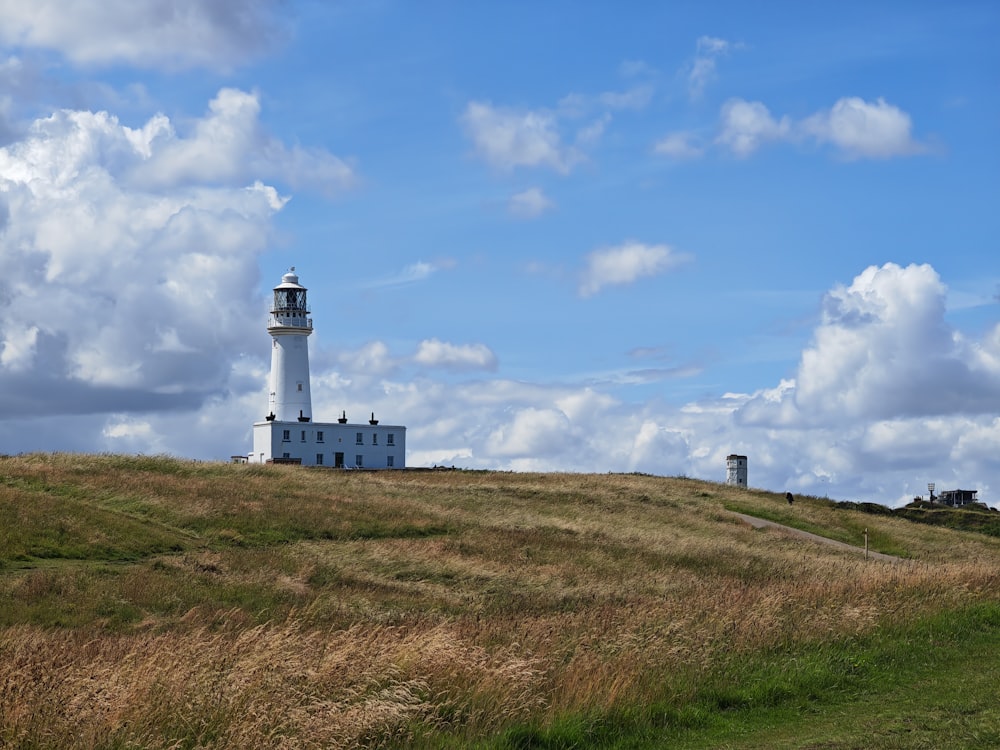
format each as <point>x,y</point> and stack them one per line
<point>287,434</point>
<point>736,470</point>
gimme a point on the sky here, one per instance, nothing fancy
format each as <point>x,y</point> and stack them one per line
<point>559,236</point>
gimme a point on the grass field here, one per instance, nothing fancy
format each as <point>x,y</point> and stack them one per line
<point>157,603</point>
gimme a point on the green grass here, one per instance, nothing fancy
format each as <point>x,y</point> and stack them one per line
<point>969,518</point>
<point>150,602</point>
<point>847,528</point>
<point>930,684</point>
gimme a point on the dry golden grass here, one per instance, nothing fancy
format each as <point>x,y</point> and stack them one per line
<point>307,609</point>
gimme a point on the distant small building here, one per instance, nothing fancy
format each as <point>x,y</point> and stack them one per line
<point>957,498</point>
<point>736,470</point>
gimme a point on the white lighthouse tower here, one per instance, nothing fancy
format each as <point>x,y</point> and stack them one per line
<point>289,325</point>
<point>288,433</point>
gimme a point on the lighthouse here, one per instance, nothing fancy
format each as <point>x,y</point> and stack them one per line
<point>289,325</point>
<point>288,434</point>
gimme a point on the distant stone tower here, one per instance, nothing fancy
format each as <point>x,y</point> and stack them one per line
<point>736,470</point>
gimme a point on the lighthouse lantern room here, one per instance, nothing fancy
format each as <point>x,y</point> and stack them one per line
<point>288,434</point>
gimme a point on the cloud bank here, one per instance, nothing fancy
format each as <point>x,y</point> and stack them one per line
<point>131,256</point>
<point>171,34</point>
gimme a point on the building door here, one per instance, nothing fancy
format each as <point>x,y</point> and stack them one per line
<point>338,460</point>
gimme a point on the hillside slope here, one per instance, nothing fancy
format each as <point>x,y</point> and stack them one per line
<point>150,601</point>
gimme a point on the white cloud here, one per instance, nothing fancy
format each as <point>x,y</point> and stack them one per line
<point>529,204</point>
<point>625,264</point>
<point>658,449</point>
<point>435,353</point>
<point>679,146</point>
<point>702,68</point>
<point>860,129</point>
<point>746,126</point>
<point>118,296</point>
<point>171,34</point>
<point>509,138</point>
<point>419,271</point>
<point>229,145</point>
<point>512,137</point>
<point>18,348</point>
<point>883,351</point>
<point>372,359</point>
<point>591,134</point>
<point>531,433</point>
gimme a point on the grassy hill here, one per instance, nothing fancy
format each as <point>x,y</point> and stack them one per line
<point>151,602</point>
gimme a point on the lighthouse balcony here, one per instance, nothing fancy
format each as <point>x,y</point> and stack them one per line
<point>289,320</point>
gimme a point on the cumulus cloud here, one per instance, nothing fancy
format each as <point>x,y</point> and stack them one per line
<point>856,128</point>
<point>170,34</point>
<point>860,129</point>
<point>625,264</point>
<point>509,138</point>
<point>435,353</point>
<point>118,297</point>
<point>529,204</point>
<point>513,137</point>
<point>884,351</point>
<point>531,434</point>
<point>746,126</point>
<point>372,359</point>
<point>229,145</point>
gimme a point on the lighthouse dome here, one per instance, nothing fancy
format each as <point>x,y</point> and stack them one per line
<point>290,280</point>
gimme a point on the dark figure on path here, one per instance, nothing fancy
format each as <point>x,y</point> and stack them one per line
<point>789,498</point>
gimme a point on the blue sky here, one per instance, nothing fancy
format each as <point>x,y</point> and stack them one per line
<point>544,236</point>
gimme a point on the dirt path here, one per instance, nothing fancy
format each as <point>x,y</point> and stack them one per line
<point>760,523</point>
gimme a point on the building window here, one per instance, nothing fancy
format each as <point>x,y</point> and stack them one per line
<point>300,387</point>
<point>390,439</point>
<point>360,439</point>
<point>374,438</point>
<point>286,435</point>
<point>303,436</point>
<point>388,461</point>
<point>319,459</point>
<point>286,455</point>
<point>319,436</point>
<point>359,460</point>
